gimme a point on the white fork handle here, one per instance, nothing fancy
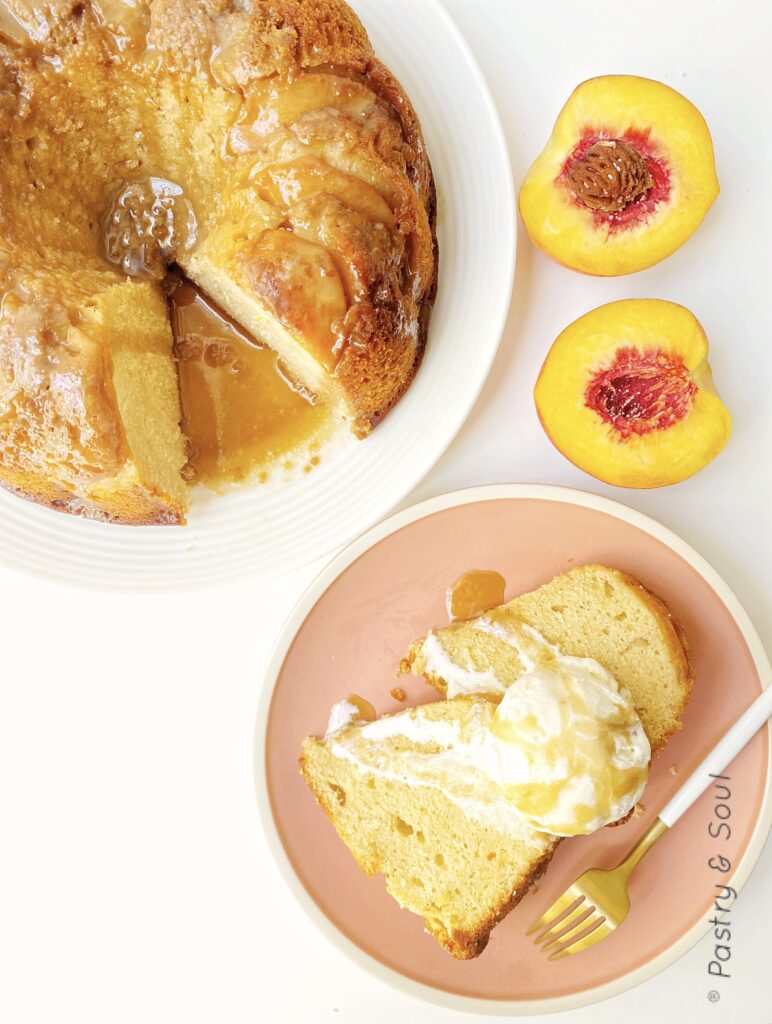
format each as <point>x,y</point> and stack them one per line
<point>725,751</point>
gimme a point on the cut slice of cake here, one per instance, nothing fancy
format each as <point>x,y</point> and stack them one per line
<point>92,414</point>
<point>591,672</point>
<point>461,874</point>
<point>147,402</point>
<point>589,612</point>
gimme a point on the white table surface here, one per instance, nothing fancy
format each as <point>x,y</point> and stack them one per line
<point>135,884</point>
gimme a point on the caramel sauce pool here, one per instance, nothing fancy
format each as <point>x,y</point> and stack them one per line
<point>241,413</point>
<point>473,593</point>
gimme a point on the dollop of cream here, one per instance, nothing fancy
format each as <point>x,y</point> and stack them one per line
<point>563,753</point>
<point>573,753</point>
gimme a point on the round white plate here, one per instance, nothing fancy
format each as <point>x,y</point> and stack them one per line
<point>269,530</point>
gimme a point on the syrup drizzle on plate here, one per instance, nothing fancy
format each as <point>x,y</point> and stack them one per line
<point>475,592</point>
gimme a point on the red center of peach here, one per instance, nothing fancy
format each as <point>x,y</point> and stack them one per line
<point>641,392</point>
<point>640,165</point>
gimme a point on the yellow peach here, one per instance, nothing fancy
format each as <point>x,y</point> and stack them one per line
<point>626,394</point>
<point>626,178</point>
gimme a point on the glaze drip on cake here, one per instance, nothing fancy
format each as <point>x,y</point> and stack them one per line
<point>263,149</point>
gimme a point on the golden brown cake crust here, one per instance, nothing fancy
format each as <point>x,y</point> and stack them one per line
<point>268,37</point>
<point>130,505</point>
<point>388,334</point>
<point>105,92</point>
<point>678,646</point>
<point>469,945</point>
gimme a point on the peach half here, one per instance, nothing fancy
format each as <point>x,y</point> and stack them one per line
<point>626,394</point>
<point>626,178</point>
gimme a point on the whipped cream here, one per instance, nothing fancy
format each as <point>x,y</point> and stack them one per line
<point>563,753</point>
<point>346,712</point>
<point>342,714</point>
<point>447,761</point>
<point>573,752</point>
<point>459,678</point>
<point>531,647</point>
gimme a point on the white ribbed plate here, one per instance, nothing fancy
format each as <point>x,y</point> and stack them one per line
<point>270,530</point>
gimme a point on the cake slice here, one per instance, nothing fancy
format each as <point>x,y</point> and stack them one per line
<point>458,854</point>
<point>589,612</point>
<point>89,405</point>
<point>149,487</point>
<point>460,874</point>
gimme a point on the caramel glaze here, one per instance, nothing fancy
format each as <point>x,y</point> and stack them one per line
<point>259,146</point>
<point>473,593</point>
<point>241,412</point>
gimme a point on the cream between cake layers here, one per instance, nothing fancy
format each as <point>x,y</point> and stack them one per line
<point>562,696</point>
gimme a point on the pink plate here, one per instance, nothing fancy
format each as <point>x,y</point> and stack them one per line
<point>348,634</point>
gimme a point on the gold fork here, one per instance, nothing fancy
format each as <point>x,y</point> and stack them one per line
<point>598,901</point>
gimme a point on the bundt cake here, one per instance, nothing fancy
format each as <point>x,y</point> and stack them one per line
<point>256,146</point>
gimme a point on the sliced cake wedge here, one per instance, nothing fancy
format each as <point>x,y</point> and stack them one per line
<point>460,873</point>
<point>591,611</point>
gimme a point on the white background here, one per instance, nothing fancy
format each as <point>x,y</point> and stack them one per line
<point>135,884</point>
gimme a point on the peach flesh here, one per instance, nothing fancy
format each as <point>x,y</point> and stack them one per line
<point>641,392</point>
<point>642,206</point>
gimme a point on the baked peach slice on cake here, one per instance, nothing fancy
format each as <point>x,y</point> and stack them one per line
<point>626,178</point>
<point>626,393</point>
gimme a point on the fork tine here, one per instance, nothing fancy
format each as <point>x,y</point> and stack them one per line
<point>579,925</point>
<point>601,931</point>
<point>578,914</point>
<point>551,914</point>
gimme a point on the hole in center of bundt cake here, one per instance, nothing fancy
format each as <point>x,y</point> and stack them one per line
<point>147,225</point>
